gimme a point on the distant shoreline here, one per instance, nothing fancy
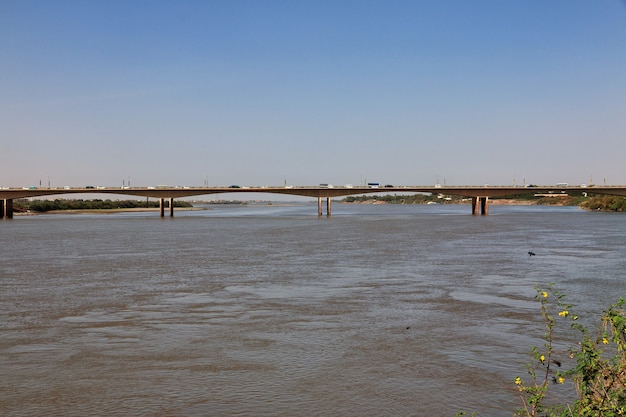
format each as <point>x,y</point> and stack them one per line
<point>106,211</point>
<point>502,202</point>
<point>373,201</point>
<point>494,202</point>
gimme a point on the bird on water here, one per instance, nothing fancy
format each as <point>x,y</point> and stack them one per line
<point>531,253</point>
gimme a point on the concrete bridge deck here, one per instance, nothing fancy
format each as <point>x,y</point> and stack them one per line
<point>479,194</point>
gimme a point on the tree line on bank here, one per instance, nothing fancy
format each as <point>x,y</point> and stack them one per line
<point>606,203</point>
<point>598,202</point>
<point>42,206</point>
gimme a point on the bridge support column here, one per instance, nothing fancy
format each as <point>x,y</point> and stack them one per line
<point>172,207</point>
<point>7,208</point>
<point>483,202</point>
<point>162,206</point>
<point>319,206</point>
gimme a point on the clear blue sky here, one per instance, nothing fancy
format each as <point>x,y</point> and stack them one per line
<point>259,92</point>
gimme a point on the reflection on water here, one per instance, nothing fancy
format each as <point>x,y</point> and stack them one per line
<point>269,311</point>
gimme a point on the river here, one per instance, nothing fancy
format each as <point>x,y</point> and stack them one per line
<point>379,310</point>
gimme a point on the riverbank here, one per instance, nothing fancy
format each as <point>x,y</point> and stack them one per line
<point>106,211</point>
<point>525,200</point>
<point>498,202</point>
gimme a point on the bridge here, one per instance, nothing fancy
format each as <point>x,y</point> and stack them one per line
<point>479,194</point>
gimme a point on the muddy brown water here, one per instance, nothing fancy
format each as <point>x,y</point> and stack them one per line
<point>272,311</point>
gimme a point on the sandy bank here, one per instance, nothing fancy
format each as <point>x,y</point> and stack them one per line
<point>498,202</point>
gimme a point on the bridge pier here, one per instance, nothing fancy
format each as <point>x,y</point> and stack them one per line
<point>319,206</point>
<point>483,202</point>
<point>6,209</point>
<point>162,207</point>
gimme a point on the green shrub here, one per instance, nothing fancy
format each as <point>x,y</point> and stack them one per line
<point>598,370</point>
<point>599,374</point>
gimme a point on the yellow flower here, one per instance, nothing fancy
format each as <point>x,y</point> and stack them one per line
<point>605,341</point>
<point>561,380</point>
<point>518,381</point>
<point>545,294</point>
<point>542,358</point>
<point>564,313</point>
